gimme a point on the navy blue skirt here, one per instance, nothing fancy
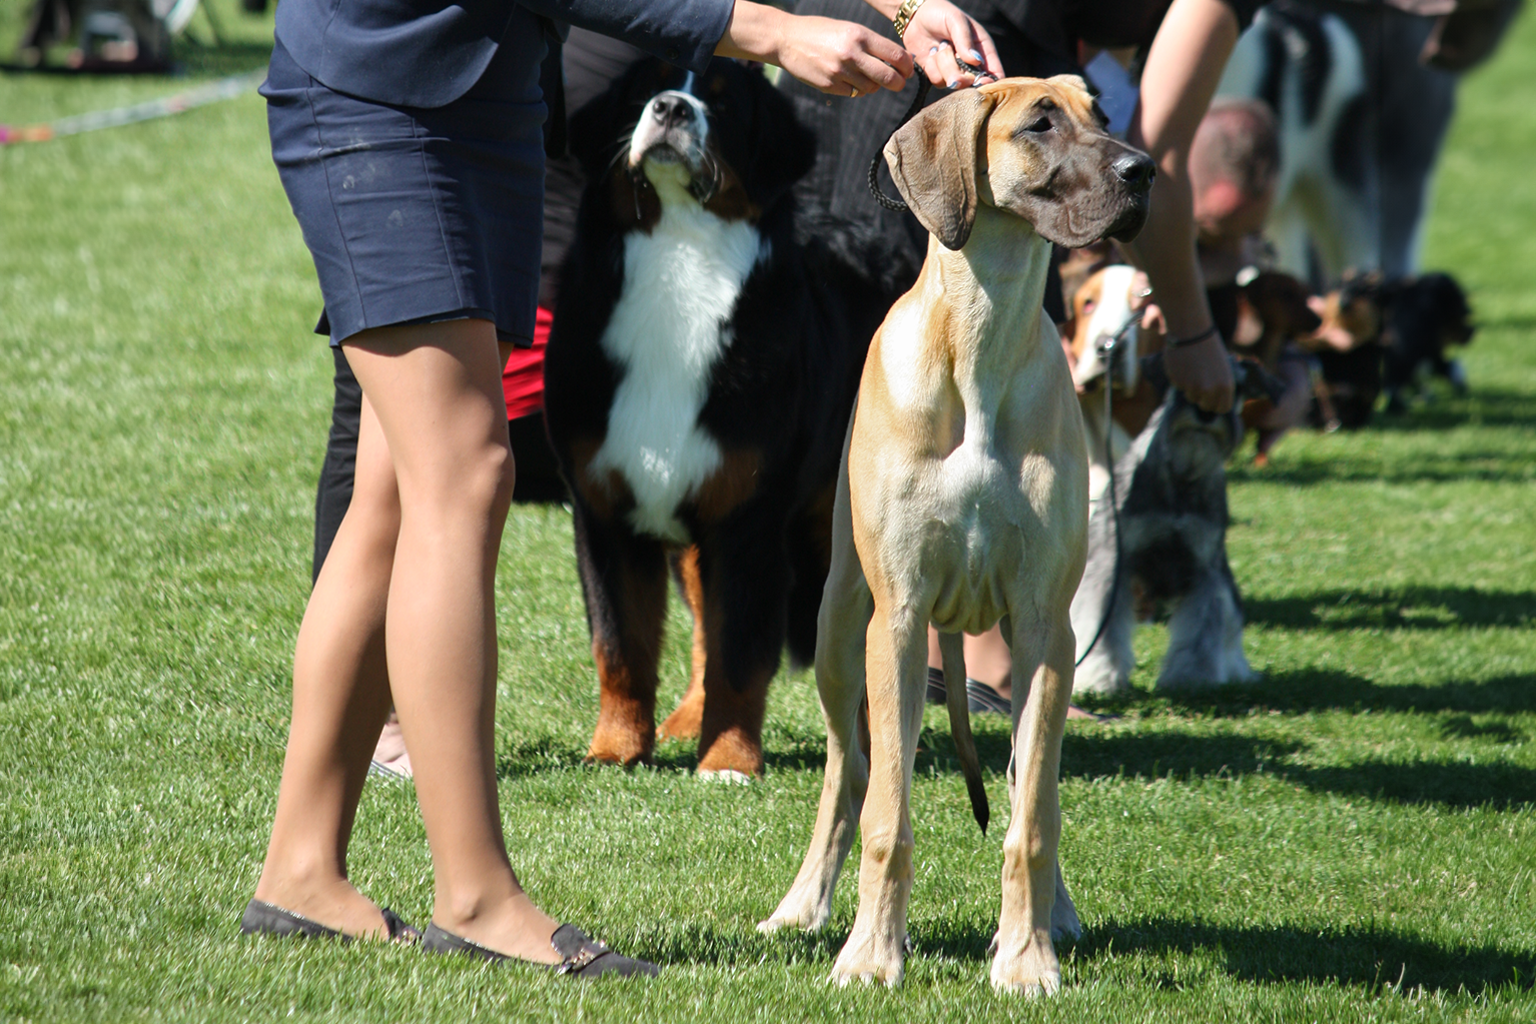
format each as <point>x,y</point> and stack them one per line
<point>417,215</point>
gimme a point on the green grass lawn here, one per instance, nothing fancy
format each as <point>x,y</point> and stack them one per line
<point>1353,839</point>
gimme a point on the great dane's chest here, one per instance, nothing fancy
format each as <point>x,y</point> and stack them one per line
<point>991,517</point>
<point>667,332</point>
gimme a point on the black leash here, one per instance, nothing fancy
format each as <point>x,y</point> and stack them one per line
<point>896,205</point>
<point>1107,351</point>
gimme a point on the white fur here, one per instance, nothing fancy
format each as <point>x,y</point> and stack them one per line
<point>1108,317</point>
<point>671,324</point>
<point>1312,207</point>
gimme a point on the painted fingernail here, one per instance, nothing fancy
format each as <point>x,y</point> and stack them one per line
<point>945,42</point>
<point>954,83</point>
<point>934,48</point>
<point>978,58</point>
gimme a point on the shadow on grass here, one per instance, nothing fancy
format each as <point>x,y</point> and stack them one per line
<point>1161,755</point>
<point>1351,956</point>
<point>1276,954</point>
<point>1459,785</point>
<point>1417,607</point>
<point>1309,690</point>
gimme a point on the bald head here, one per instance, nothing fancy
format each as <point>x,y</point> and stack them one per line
<point>1233,164</point>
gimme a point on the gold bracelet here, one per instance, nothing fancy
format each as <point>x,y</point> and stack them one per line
<point>904,16</point>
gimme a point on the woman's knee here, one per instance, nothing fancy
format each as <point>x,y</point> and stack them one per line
<point>473,483</point>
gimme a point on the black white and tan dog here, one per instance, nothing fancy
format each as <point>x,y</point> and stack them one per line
<point>703,361</point>
<point>1171,555</point>
<point>1363,94</point>
<point>963,503</point>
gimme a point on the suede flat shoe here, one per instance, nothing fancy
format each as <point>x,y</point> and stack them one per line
<point>262,918</point>
<point>581,956</point>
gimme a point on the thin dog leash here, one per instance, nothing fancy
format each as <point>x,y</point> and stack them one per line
<point>896,205</point>
<point>923,85</point>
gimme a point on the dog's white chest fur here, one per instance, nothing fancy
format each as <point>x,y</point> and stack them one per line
<point>668,330</point>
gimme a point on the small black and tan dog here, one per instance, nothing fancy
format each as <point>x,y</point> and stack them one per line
<point>702,366</point>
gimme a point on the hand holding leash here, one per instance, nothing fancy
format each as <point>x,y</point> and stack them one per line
<point>951,48</point>
<point>837,57</point>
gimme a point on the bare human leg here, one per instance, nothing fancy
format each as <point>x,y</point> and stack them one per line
<point>435,429</point>
<point>340,700</point>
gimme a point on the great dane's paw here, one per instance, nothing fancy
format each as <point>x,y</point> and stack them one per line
<point>727,776</point>
<point>798,909</point>
<point>1047,984</point>
<point>1029,968</point>
<point>864,960</point>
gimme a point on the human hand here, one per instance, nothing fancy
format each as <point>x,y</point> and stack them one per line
<point>837,57</point>
<point>842,58</point>
<point>939,33</point>
<point>1202,371</point>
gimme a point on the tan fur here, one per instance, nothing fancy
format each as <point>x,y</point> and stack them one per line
<point>964,501</point>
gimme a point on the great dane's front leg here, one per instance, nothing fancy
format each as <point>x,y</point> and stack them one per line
<point>1042,666</point>
<point>846,607</point>
<point>897,644</point>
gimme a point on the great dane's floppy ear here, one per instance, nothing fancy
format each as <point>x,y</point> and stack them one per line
<point>933,162</point>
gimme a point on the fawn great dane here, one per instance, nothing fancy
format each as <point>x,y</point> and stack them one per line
<point>962,501</point>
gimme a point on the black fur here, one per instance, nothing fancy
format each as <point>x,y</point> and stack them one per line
<point>1427,316</point>
<point>781,390</point>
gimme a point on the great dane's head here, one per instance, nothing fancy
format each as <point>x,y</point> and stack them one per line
<point>1034,147</point>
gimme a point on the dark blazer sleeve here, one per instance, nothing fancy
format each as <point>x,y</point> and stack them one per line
<point>681,32</point>
<point>428,53</point>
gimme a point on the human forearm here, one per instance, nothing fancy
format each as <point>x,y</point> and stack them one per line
<point>834,56</point>
<point>1183,68</point>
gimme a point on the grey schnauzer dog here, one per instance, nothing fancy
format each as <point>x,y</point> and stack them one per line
<point>1171,556</point>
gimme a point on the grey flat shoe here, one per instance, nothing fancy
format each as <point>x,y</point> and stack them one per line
<point>981,697</point>
<point>582,956</point>
<point>262,918</point>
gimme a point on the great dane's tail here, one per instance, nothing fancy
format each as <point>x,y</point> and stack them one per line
<point>952,645</point>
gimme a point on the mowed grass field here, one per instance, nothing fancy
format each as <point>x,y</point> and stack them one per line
<point>1353,839</point>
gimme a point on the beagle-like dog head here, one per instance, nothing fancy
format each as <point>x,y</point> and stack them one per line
<point>1104,308</point>
<point>1033,147</point>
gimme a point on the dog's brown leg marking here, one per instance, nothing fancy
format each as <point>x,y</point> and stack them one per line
<point>731,730</point>
<point>683,723</point>
<point>731,733</point>
<point>626,670</point>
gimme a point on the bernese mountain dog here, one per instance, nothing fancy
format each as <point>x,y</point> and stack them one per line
<point>702,366</point>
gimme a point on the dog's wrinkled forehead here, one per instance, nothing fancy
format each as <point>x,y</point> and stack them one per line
<point>1021,104</point>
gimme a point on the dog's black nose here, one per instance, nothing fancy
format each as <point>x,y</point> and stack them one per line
<point>670,109</point>
<point>1137,170</point>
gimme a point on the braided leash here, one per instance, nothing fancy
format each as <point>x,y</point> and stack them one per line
<point>896,205</point>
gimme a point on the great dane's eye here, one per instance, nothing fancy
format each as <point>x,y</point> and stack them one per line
<point>1039,125</point>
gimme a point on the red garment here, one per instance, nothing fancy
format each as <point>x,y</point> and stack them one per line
<point>523,378</point>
